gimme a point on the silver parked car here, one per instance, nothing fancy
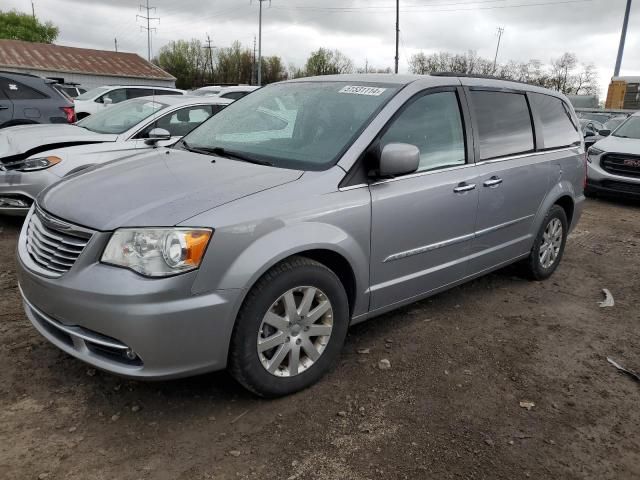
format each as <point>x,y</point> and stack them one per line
<point>614,162</point>
<point>258,239</point>
<point>33,157</point>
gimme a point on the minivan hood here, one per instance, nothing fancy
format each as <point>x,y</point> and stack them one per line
<point>27,138</point>
<point>159,188</point>
<point>613,144</point>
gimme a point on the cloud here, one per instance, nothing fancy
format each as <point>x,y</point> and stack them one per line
<point>364,30</point>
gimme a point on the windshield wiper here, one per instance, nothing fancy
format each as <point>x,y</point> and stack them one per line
<point>221,152</point>
<point>239,156</point>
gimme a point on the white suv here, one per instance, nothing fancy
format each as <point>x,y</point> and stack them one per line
<point>102,97</point>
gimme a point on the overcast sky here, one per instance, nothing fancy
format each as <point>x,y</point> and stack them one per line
<point>364,30</point>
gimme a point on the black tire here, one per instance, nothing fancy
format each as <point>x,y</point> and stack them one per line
<point>533,265</point>
<point>244,363</point>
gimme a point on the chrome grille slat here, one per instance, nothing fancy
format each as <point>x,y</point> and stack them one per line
<point>44,264</point>
<point>43,239</point>
<point>49,257</point>
<point>53,252</point>
<point>51,248</point>
<point>59,238</point>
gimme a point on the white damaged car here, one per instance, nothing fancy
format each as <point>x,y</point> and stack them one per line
<point>33,157</point>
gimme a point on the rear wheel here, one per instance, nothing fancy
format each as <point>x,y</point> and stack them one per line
<point>548,247</point>
<point>290,329</point>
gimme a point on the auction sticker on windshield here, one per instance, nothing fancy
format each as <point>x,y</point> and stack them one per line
<point>358,90</point>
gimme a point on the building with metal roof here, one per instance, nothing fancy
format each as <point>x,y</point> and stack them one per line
<point>87,67</point>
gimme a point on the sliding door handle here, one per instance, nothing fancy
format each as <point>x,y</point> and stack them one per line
<point>493,182</point>
<point>464,187</point>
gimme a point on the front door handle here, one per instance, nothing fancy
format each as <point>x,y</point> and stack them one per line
<point>464,187</point>
<point>3,108</point>
<point>493,182</point>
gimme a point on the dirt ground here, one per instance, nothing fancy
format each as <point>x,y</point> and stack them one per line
<point>449,407</point>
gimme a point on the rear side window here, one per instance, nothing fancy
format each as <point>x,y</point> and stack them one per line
<point>234,95</point>
<point>18,91</point>
<point>558,127</point>
<point>433,124</point>
<point>504,123</point>
<point>139,92</point>
<point>165,92</point>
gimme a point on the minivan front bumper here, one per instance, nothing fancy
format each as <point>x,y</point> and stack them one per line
<point>121,322</point>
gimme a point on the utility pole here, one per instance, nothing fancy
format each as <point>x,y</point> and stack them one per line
<point>210,48</point>
<point>115,41</point>
<point>253,63</point>
<point>397,34</point>
<point>495,59</point>
<point>33,10</point>
<point>148,28</point>
<point>623,37</point>
<point>260,42</point>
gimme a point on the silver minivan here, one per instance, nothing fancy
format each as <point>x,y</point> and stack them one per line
<point>299,210</point>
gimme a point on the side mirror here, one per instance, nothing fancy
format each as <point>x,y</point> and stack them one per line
<point>107,101</point>
<point>604,132</point>
<point>156,135</point>
<point>399,159</point>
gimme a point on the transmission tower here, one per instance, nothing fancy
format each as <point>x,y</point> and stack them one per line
<point>148,28</point>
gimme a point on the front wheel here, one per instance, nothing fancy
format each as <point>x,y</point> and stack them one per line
<point>548,247</point>
<point>290,328</point>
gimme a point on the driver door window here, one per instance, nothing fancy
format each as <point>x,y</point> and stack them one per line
<point>116,96</point>
<point>434,125</point>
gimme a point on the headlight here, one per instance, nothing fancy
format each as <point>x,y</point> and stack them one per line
<point>157,252</point>
<point>593,152</point>
<point>33,164</point>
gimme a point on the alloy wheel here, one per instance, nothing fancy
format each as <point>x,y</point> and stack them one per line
<point>295,331</point>
<point>551,243</point>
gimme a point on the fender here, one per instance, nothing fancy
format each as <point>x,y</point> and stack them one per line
<point>563,188</point>
<point>290,240</point>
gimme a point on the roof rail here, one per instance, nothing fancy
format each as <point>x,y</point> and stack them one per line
<point>19,73</point>
<point>475,75</point>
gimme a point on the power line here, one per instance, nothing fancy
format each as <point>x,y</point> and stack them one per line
<point>426,8</point>
<point>148,28</point>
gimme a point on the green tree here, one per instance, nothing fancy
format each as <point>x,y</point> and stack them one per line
<point>20,26</point>
<point>234,64</point>
<point>185,60</point>
<point>328,62</point>
<point>273,70</point>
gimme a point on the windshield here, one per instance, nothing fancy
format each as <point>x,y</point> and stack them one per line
<point>305,125</point>
<point>614,123</point>
<point>629,129</point>
<point>92,93</point>
<point>600,117</point>
<point>120,118</point>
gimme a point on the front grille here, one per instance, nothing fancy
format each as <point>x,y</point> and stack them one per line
<point>622,187</point>
<point>54,245</point>
<point>620,164</point>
